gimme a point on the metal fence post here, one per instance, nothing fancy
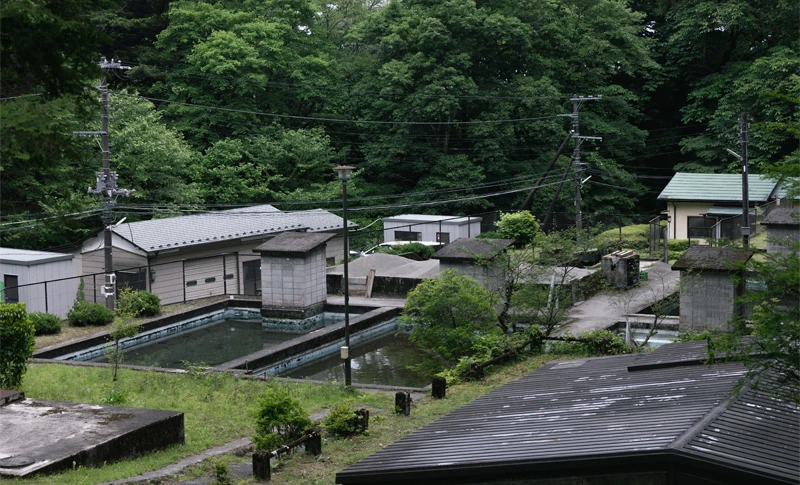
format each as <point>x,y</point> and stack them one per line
<point>94,288</point>
<point>183,271</point>
<point>238,275</point>
<point>46,309</point>
<point>224,274</point>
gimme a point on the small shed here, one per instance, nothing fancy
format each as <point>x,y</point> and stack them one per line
<point>421,227</point>
<point>660,418</point>
<point>783,229</point>
<point>293,272</point>
<point>708,289</point>
<point>621,268</point>
<point>40,279</point>
<point>474,258</point>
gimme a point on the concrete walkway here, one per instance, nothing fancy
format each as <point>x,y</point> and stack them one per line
<point>609,307</point>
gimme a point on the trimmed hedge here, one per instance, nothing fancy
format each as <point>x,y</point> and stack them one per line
<point>86,314</point>
<point>17,336</point>
<point>44,323</point>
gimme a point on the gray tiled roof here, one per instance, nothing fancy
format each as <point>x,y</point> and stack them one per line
<point>294,242</point>
<point>716,187</point>
<point>782,216</point>
<point>713,258</point>
<point>182,231</point>
<point>597,412</point>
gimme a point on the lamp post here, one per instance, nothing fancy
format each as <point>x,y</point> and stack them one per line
<point>344,176</point>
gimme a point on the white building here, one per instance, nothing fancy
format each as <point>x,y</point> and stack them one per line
<point>44,281</point>
<point>421,227</point>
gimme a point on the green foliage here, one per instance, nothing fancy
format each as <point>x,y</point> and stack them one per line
<point>115,396</point>
<point>123,328</point>
<point>421,250</point>
<point>342,421</point>
<point>222,473</point>
<point>691,335</point>
<point>80,295</point>
<point>597,342</point>
<point>87,314</point>
<point>635,237</point>
<point>17,338</point>
<point>446,316</point>
<point>44,323</point>
<point>520,226</point>
<point>138,303</point>
<point>280,418</point>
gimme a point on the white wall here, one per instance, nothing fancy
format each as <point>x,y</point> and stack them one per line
<point>60,295</point>
<point>428,230</point>
<point>679,212</point>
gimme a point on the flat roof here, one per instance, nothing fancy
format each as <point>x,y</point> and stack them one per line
<point>26,257</point>
<point>421,218</point>
<point>601,413</point>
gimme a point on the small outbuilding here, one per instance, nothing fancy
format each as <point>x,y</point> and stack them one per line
<point>475,258</point>
<point>659,418</point>
<point>421,227</point>
<point>783,229</point>
<point>708,285</point>
<point>40,279</point>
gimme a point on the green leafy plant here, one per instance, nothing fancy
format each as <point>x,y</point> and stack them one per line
<point>421,250</point>
<point>520,226</point>
<point>342,421</point>
<point>123,328</point>
<point>87,314</point>
<point>280,418</point>
<point>222,473</point>
<point>44,323</point>
<point>115,396</point>
<point>138,303</point>
<point>17,338</point>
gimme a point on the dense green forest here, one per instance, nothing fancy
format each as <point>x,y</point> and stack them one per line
<point>445,106</point>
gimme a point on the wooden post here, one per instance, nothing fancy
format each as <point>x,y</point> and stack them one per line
<point>438,388</point>
<point>363,422</point>
<point>261,469</point>
<point>314,443</point>
<point>370,282</point>
<point>402,403</point>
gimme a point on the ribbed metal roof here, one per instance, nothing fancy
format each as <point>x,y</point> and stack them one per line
<point>26,257</point>
<point>716,187</point>
<point>568,413</point>
<point>419,218</point>
<point>177,232</point>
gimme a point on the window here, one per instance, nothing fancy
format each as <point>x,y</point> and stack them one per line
<point>700,227</point>
<point>229,276</point>
<point>191,283</point>
<point>407,236</point>
<point>10,283</point>
<point>443,237</point>
<point>211,280</point>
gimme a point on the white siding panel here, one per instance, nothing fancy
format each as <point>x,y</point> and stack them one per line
<point>168,282</point>
<point>207,274</point>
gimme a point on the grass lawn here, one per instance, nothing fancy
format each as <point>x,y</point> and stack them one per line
<point>218,409</point>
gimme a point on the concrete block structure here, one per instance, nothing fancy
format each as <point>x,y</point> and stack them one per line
<point>293,275</point>
<point>474,258</point>
<point>708,288</point>
<point>621,268</point>
<point>783,229</point>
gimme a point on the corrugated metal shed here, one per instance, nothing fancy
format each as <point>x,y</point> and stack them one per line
<point>716,187</point>
<point>176,232</point>
<point>572,417</point>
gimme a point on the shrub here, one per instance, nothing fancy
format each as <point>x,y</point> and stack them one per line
<point>520,226</point>
<point>279,419</point>
<point>342,421</point>
<point>44,323</point>
<point>87,314</point>
<point>633,237</point>
<point>603,342</point>
<point>421,250</point>
<point>678,244</point>
<point>17,335</point>
<point>138,303</point>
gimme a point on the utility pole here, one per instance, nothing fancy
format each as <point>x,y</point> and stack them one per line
<point>106,185</point>
<point>745,188</point>
<point>576,156</point>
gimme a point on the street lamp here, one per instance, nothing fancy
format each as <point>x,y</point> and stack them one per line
<point>344,176</point>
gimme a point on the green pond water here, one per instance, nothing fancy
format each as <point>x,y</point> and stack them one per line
<point>211,345</point>
<point>380,361</point>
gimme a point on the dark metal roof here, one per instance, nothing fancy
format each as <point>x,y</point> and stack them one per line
<point>472,249</point>
<point>570,413</point>
<point>783,216</point>
<point>712,258</point>
<point>294,242</point>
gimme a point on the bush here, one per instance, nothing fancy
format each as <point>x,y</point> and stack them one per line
<point>678,244</point>
<point>17,337</point>
<point>86,314</point>
<point>342,421</point>
<point>279,419</point>
<point>44,323</point>
<point>138,303</point>
<point>421,250</point>
<point>592,343</point>
<point>520,226</point>
<point>635,237</point>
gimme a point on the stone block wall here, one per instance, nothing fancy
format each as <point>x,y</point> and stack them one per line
<point>707,301</point>
<point>780,238</point>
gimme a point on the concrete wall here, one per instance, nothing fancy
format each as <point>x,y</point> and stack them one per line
<point>428,230</point>
<point>294,282</point>
<point>779,236</point>
<point>706,300</point>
